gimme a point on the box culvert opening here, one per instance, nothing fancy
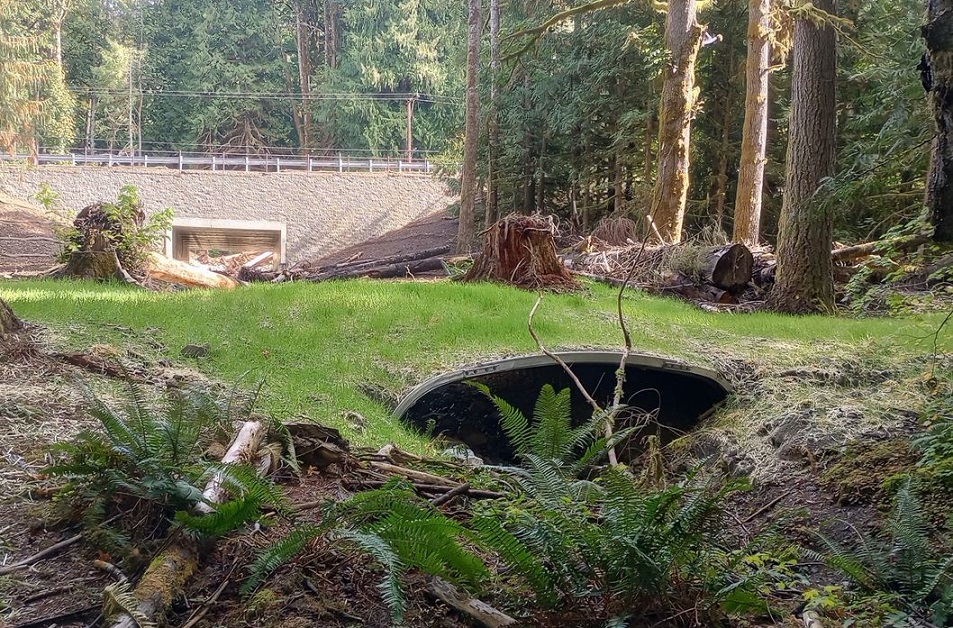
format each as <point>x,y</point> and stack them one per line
<point>448,406</point>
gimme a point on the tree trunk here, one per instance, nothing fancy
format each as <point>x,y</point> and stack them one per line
<point>755,131</point>
<point>805,271</point>
<point>8,320</point>
<point>938,33</point>
<point>492,213</point>
<point>332,11</point>
<point>721,179</point>
<point>468,186</point>
<point>303,43</point>
<point>682,40</point>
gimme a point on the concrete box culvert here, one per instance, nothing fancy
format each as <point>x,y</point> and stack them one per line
<point>680,394</point>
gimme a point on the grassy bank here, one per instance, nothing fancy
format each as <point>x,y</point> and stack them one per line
<point>316,344</point>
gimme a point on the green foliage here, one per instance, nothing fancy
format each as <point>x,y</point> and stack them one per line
<point>397,529</point>
<point>612,537</point>
<point>550,436</point>
<point>35,104</point>
<point>153,459</point>
<point>905,575</point>
<point>936,443</point>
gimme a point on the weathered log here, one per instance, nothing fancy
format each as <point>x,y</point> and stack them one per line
<point>166,575</point>
<point>847,253</point>
<point>258,261</point>
<point>170,270</point>
<point>386,271</point>
<point>383,261</point>
<point>170,570</point>
<point>476,609</point>
<point>8,320</point>
<point>729,268</point>
<point>413,474</point>
<point>521,251</point>
<point>244,448</point>
<point>317,445</point>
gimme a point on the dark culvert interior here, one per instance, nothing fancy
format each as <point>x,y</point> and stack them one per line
<point>449,407</point>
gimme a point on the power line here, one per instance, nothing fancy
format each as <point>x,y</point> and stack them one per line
<point>239,95</point>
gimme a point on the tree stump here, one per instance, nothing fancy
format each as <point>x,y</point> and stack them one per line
<point>8,321</point>
<point>520,251</point>
<point>93,245</point>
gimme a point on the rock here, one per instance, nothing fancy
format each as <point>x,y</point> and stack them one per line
<point>464,454</point>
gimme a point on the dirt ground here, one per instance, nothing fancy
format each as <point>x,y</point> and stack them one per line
<point>27,244</point>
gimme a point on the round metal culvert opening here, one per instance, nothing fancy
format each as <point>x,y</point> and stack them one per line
<point>679,394</point>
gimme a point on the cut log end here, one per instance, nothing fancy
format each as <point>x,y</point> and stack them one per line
<point>730,267</point>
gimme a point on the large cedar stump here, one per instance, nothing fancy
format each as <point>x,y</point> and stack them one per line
<point>520,251</point>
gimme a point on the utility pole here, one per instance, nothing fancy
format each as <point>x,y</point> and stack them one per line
<point>410,128</point>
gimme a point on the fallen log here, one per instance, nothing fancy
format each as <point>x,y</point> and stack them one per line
<point>385,271</point>
<point>434,489</point>
<point>171,569</point>
<point>847,253</point>
<point>258,261</point>
<point>727,267</point>
<point>476,609</point>
<point>243,449</point>
<point>162,268</point>
<point>413,474</point>
<point>383,261</point>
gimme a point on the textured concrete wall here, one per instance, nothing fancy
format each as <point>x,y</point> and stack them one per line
<point>323,212</point>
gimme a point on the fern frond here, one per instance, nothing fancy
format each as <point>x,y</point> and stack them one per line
<point>515,424</point>
<point>118,598</point>
<point>488,530</point>
<point>279,553</point>
<point>380,551</point>
<point>552,435</point>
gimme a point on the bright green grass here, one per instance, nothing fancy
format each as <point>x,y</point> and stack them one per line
<point>314,344</point>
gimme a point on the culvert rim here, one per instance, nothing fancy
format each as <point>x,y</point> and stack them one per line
<point>514,363</point>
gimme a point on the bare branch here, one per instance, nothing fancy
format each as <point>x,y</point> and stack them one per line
<point>575,380</point>
<point>596,408</point>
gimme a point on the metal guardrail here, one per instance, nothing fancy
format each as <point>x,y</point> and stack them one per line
<point>246,163</point>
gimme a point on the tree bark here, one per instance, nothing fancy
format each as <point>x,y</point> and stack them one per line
<point>682,40</point>
<point>721,180</point>
<point>303,43</point>
<point>468,186</point>
<point>492,213</point>
<point>754,135</point>
<point>805,270</point>
<point>938,75</point>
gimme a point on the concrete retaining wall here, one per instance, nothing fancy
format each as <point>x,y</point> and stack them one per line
<point>323,212</point>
